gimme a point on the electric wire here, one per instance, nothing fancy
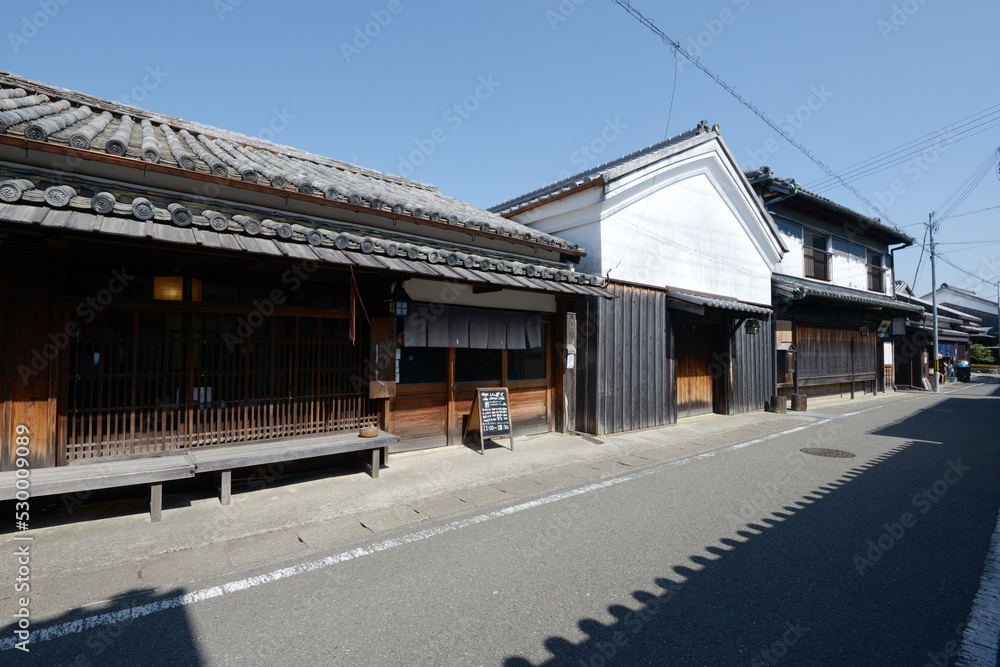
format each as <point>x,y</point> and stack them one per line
<point>982,210</point>
<point>666,133</point>
<point>627,6</point>
<point>956,198</point>
<point>976,123</point>
<point>955,266</point>
<point>923,247</point>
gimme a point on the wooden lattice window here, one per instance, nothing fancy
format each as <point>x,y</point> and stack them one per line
<point>141,382</point>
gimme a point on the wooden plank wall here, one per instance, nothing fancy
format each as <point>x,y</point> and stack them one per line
<point>30,400</point>
<point>625,378</point>
<point>751,369</point>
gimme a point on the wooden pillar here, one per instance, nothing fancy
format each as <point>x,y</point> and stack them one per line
<point>567,394</point>
<point>35,339</point>
<point>795,366</point>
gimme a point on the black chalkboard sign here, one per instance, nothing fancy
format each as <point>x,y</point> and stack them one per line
<point>490,416</point>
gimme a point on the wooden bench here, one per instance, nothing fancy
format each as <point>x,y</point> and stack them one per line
<point>85,477</point>
<point>225,459</point>
<point>155,470</point>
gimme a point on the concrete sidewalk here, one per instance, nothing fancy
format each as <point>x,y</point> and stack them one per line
<point>80,559</point>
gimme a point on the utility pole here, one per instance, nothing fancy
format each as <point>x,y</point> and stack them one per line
<point>934,356</point>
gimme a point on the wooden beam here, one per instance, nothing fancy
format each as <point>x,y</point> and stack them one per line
<point>155,502</point>
<point>687,307</point>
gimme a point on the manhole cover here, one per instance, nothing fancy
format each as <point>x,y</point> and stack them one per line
<point>829,453</point>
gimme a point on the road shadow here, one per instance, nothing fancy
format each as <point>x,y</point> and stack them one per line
<point>140,627</point>
<point>879,567</point>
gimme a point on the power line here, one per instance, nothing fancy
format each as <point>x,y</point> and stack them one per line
<point>923,247</point>
<point>627,6</point>
<point>666,133</point>
<point>961,270</point>
<point>976,123</point>
<point>982,210</point>
<point>956,198</point>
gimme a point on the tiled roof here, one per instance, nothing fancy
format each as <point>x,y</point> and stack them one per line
<point>41,112</point>
<point>765,176</point>
<point>989,303</point>
<point>903,293</point>
<point>609,170</point>
<point>30,201</point>
<point>800,288</point>
<point>718,302</point>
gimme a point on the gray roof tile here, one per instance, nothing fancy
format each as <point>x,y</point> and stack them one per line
<point>138,134</point>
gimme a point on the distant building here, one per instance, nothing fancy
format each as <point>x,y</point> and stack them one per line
<point>914,338</point>
<point>968,301</point>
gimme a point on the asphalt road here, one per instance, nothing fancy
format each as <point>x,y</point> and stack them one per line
<point>745,555</point>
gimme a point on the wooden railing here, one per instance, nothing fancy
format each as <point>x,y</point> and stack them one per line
<point>128,396</point>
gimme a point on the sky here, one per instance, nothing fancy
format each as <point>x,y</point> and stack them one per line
<point>488,101</point>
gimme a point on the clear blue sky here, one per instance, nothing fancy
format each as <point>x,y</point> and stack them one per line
<point>555,77</point>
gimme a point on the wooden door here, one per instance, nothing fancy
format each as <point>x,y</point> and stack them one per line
<point>28,378</point>
<point>694,380</point>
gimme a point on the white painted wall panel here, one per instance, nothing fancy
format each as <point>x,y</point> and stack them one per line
<point>792,264</point>
<point>684,235</point>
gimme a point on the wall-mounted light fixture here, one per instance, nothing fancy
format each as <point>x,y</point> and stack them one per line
<point>752,327</point>
<point>168,288</point>
<point>399,301</point>
<point>864,331</point>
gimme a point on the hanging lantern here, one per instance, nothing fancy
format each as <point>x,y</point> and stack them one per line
<point>398,303</point>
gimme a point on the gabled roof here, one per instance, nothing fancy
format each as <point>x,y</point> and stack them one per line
<point>989,304</point>
<point>905,293</point>
<point>31,111</point>
<point>609,171</point>
<point>789,193</point>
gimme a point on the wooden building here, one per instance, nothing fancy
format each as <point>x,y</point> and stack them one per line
<point>688,249</point>
<point>914,338</point>
<point>167,286</point>
<point>833,292</point>
<point>967,301</point>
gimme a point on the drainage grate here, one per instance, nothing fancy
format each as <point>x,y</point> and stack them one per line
<point>829,453</point>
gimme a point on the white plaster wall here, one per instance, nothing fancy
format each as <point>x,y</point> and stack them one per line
<point>964,300</point>
<point>688,221</point>
<point>685,235</point>
<point>792,264</point>
<point>455,294</point>
<point>575,218</point>
<point>849,271</point>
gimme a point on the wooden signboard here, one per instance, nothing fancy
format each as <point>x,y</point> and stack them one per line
<point>490,416</point>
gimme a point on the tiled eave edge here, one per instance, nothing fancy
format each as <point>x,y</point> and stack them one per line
<point>141,166</point>
<point>239,232</point>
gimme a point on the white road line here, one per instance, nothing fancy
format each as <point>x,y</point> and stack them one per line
<point>982,633</point>
<point>120,616</point>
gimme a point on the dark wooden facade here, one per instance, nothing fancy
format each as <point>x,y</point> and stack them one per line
<point>625,376</point>
<point>834,355</point>
<point>645,363</point>
<point>430,414</point>
<point>113,372</point>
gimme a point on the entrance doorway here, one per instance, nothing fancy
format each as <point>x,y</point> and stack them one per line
<point>696,386</point>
